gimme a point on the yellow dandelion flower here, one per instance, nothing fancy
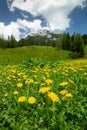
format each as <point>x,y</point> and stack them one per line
<point>44,89</point>
<point>15,92</point>
<point>53,96</point>
<point>31,100</point>
<point>6,94</point>
<point>22,99</point>
<point>19,85</point>
<point>63,92</point>
<point>0,80</point>
<point>48,81</point>
<point>28,81</point>
<point>63,84</point>
<point>13,71</point>
<point>68,95</point>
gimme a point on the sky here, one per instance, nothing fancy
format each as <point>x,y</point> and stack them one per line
<point>20,17</point>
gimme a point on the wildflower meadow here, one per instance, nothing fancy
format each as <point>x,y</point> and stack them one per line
<point>44,96</point>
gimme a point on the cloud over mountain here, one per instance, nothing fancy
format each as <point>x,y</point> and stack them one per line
<point>55,12</point>
<point>15,27</point>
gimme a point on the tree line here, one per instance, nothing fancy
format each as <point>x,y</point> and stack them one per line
<point>74,43</point>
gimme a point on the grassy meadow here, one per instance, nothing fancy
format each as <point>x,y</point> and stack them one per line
<point>47,92</point>
<point>18,55</point>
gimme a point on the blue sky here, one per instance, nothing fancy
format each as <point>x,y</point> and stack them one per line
<point>79,21</point>
<point>19,17</point>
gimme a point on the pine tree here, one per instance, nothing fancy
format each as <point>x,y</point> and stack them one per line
<point>77,46</point>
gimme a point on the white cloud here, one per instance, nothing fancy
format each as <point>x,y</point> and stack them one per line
<point>14,28</point>
<point>10,29</point>
<point>24,24</point>
<point>56,12</point>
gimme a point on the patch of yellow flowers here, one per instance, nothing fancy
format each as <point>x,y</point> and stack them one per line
<point>44,89</point>
<point>22,99</point>
<point>65,93</point>
<point>31,100</point>
<point>53,96</point>
<point>63,84</point>
<point>19,85</point>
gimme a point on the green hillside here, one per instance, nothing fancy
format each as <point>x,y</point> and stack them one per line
<point>46,53</point>
<point>18,55</point>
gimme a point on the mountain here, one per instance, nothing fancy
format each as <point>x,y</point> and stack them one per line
<point>43,33</point>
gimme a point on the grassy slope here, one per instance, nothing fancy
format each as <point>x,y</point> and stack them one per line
<point>17,55</point>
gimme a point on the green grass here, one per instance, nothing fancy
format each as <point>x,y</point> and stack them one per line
<point>64,109</point>
<point>59,90</point>
<point>18,55</point>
